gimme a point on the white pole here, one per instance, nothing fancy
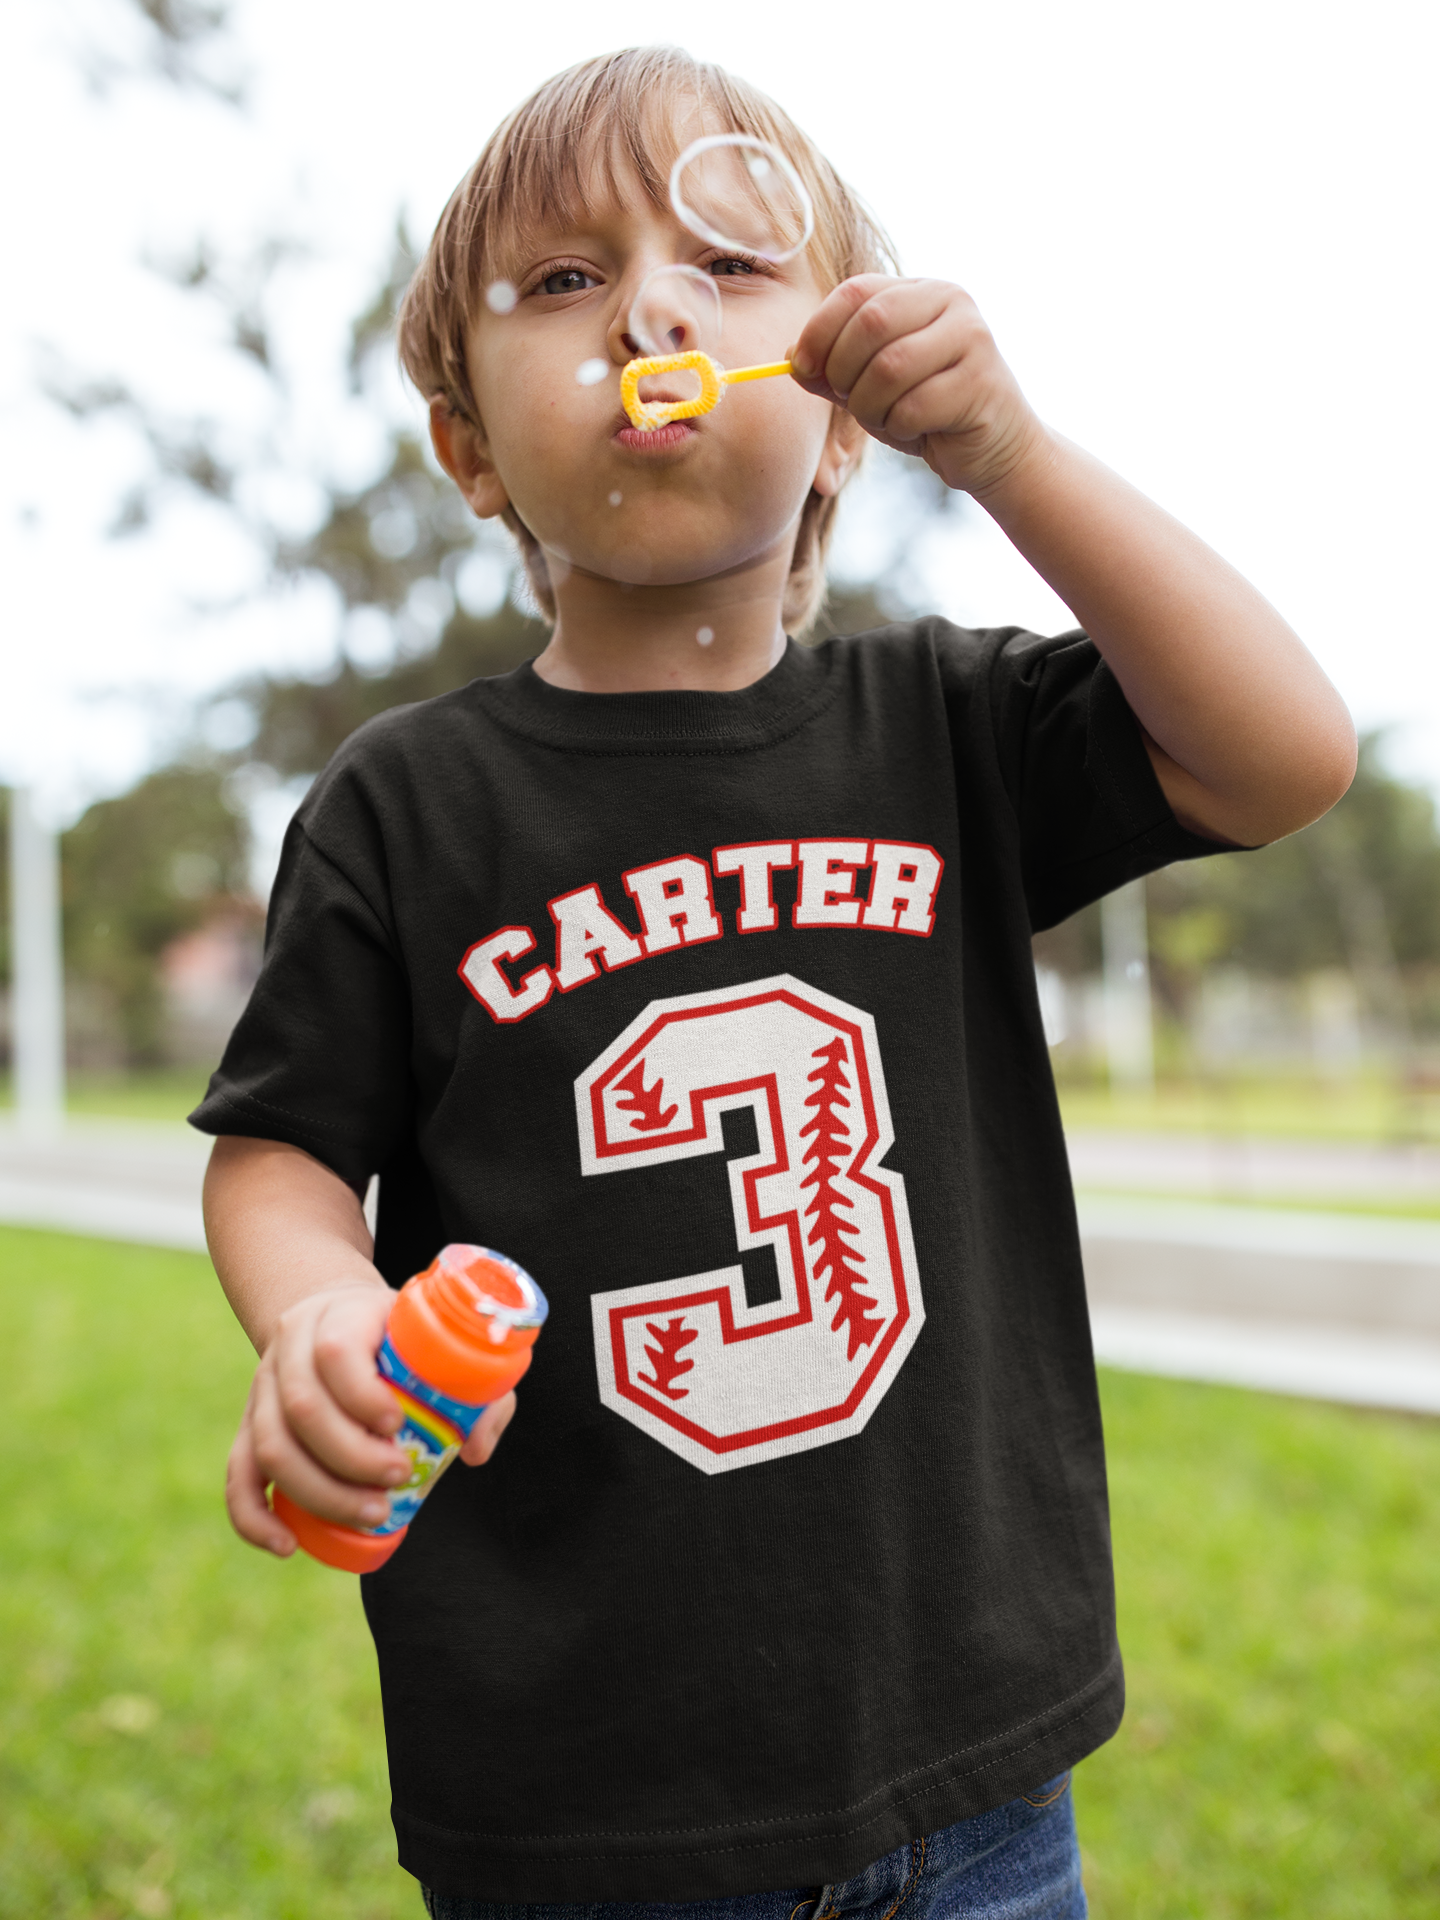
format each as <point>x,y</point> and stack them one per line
<point>1129,1037</point>
<point>37,1000</point>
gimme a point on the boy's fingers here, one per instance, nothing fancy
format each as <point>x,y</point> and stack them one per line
<point>934,406</point>
<point>901,326</point>
<point>812,350</point>
<point>325,1429</point>
<point>245,1500</point>
<point>282,1459</point>
<point>484,1436</point>
<point>346,1339</point>
<point>886,399</point>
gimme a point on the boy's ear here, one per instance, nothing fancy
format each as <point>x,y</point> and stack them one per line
<point>837,456</point>
<point>461,448</point>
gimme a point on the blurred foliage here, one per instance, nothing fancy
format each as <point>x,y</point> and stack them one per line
<point>374,330</point>
<point>183,42</point>
<point>302,722</point>
<point>1359,890</point>
<point>136,873</point>
<point>1359,887</point>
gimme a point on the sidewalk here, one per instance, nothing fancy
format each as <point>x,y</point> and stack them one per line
<point>1332,1305</point>
<point>1327,1305</point>
<point>115,1179</point>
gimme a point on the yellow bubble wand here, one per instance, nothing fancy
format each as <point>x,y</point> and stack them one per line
<point>764,172</point>
<point>646,415</point>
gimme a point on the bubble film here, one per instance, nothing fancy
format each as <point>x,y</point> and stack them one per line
<point>677,310</point>
<point>501,297</point>
<point>590,373</point>
<point>739,192</point>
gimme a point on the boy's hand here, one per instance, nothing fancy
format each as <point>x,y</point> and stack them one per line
<point>318,1420</point>
<point>915,364</point>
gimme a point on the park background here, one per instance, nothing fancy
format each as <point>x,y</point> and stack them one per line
<point>1204,243</point>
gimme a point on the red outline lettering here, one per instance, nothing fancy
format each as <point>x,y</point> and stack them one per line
<point>610,966</point>
<point>510,951</point>
<point>873,903</point>
<point>834,901</point>
<point>745,868</point>
<point>655,940</point>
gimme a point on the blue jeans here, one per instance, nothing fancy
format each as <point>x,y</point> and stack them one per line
<point>1018,1862</point>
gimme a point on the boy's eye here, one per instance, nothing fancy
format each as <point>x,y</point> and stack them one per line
<point>568,280</point>
<point>731,264</point>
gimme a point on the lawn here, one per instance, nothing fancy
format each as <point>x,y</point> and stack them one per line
<point>188,1729</point>
<point>1374,1108</point>
<point>159,1093</point>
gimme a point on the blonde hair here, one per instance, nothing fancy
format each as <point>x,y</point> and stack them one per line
<point>617,111</point>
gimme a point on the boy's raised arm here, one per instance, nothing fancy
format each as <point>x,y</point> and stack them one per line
<point>293,1252</point>
<point>1249,739</point>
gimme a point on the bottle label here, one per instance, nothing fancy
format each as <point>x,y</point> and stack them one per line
<point>432,1433</point>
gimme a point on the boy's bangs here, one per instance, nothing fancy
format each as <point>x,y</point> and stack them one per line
<point>554,182</point>
<point>607,128</point>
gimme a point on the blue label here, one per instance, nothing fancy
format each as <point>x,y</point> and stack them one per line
<point>432,1433</point>
<point>459,1413</point>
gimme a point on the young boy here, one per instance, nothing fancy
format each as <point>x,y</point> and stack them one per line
<point>692,969</point>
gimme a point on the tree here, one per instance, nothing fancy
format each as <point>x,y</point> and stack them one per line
<point>136,873</point>
<point>395,552</point>
<point>1359,888</point>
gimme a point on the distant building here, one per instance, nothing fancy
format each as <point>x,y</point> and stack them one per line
<point>207,978</point>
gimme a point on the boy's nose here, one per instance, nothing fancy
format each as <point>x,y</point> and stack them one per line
<point>677,339</point>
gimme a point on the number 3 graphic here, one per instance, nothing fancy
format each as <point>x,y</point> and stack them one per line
<point>689,1360</point>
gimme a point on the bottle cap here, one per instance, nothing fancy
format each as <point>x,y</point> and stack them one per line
<point>477,1283</point>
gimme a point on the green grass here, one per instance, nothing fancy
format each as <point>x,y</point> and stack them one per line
<point>165,1093</point>
<point>1386,1207</point>
<point>1279,1592</point>
<point>1298,1108</point>
<point>1372,1109</point>
<point>188,1729</point>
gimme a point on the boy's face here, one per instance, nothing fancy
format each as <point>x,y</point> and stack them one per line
<point>696,501</point>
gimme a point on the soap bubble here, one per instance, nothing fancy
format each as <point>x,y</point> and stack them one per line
<point>705,635</point>
<point>616,497</point>
<point>736,191</point>
<point>590,372</point>
<point>676,310</point>
<point>501,297</point>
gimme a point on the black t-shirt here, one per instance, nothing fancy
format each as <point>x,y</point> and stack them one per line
<point>717,1012</point>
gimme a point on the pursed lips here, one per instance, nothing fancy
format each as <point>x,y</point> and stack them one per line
<point>662,396</point>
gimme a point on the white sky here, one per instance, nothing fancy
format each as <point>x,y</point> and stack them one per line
<point>1205,239</point>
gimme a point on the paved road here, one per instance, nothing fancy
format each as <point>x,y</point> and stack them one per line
<point>1334,1306</point>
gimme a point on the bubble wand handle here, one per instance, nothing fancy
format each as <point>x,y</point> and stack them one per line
<point>767,372</point>
<point>646,415</point>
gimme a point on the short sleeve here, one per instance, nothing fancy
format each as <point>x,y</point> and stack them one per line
<point>1091,812</point>
<point>321,1055</point>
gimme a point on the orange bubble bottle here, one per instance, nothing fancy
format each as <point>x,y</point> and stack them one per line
<point>458,1337</point>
